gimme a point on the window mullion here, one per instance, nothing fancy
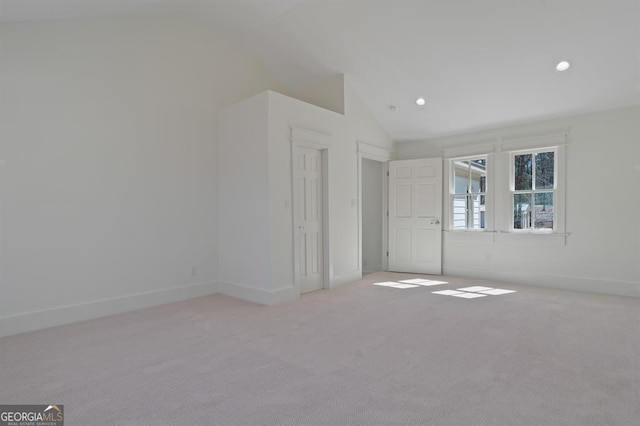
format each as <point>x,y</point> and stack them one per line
<point>470,212</point>
<point>533,191</point>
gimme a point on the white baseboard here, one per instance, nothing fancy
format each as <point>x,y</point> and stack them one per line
<point>37,320</point>
<point>257,295</point>
<point>285,295</point>
<point>266,297</point>
<point>345,277</point>
<point>592,285</point>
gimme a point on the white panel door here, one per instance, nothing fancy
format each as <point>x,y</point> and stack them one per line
<point>308,219</point>
<point>415,212</point>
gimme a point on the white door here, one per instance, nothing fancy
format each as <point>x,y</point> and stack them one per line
<point>308,219</point>
<point>415,212</point>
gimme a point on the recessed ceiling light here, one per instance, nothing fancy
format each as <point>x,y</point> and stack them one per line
<point>420,101</point>
<point>563,65</point>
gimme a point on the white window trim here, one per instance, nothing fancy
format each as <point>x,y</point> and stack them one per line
<point>481,148</point>
<point>498,220</point>
<point>559,192</point>
<point>534,142</point>
<point>489,205</point>
<point>512,190</point>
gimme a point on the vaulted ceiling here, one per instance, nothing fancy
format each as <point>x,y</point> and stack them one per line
<point>478,63</point>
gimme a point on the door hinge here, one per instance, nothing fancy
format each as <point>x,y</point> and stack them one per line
<point>387,214</point>
<point>387,173</point>
<point>387,254</point>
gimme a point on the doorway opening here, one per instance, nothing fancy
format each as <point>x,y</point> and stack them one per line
<point>373,216</point>
<point>373,191</point>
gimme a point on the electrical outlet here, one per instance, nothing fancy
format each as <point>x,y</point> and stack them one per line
<point>193,269</point>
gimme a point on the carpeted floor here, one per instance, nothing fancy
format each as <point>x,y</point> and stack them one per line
<point>357,355</point>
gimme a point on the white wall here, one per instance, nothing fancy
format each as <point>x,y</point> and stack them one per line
<point>108,163</point>
<point>602,252</point>
<point>345,130</point>
<point>243,195</point>
<point>372,209</point>
<point>328,94</point>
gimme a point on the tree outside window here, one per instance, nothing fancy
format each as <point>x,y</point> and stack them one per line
<point>533,190</point>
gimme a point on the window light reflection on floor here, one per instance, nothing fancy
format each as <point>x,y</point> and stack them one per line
<point>473,292</point>
<point>475,289</point>
<point>448,292</point>
<point>402,286</point>
<point>423,282</point>
<point>469,295</point>
<point>497,291</point>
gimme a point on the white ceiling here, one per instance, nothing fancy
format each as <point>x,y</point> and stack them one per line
<point>478,63</point>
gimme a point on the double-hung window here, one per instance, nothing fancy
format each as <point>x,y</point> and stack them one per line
<point>533,190</point>
<point>508,189</point>
<point>468,192</point>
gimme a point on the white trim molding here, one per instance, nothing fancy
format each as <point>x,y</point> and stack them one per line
<point>552,281</point>
<point>373,152</point>
<point>37,320</point>
<point>310,138</point>
<point>345,278</point>
<point>258,295</point>
<point>508,143</point>
<point>469,150</point>
<point>535,142</point>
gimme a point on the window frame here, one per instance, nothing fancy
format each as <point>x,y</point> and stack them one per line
<point>533,191</point>
<point>497,149</point>
<point>452,194</point>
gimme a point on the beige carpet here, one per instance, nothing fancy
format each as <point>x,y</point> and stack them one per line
<point>357,355</point>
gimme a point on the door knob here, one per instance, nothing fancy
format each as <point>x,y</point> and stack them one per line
<point>435,222</point>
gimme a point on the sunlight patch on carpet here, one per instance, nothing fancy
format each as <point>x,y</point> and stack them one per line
<point>403,286</point>
<point>447,292</point>
<point>423,282</point>
<point>497,291</point>
<point>393,284</point>
<point>469,295</point>
<point>474,292</point>
<point>475,289</point>
<point>386,284</point>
